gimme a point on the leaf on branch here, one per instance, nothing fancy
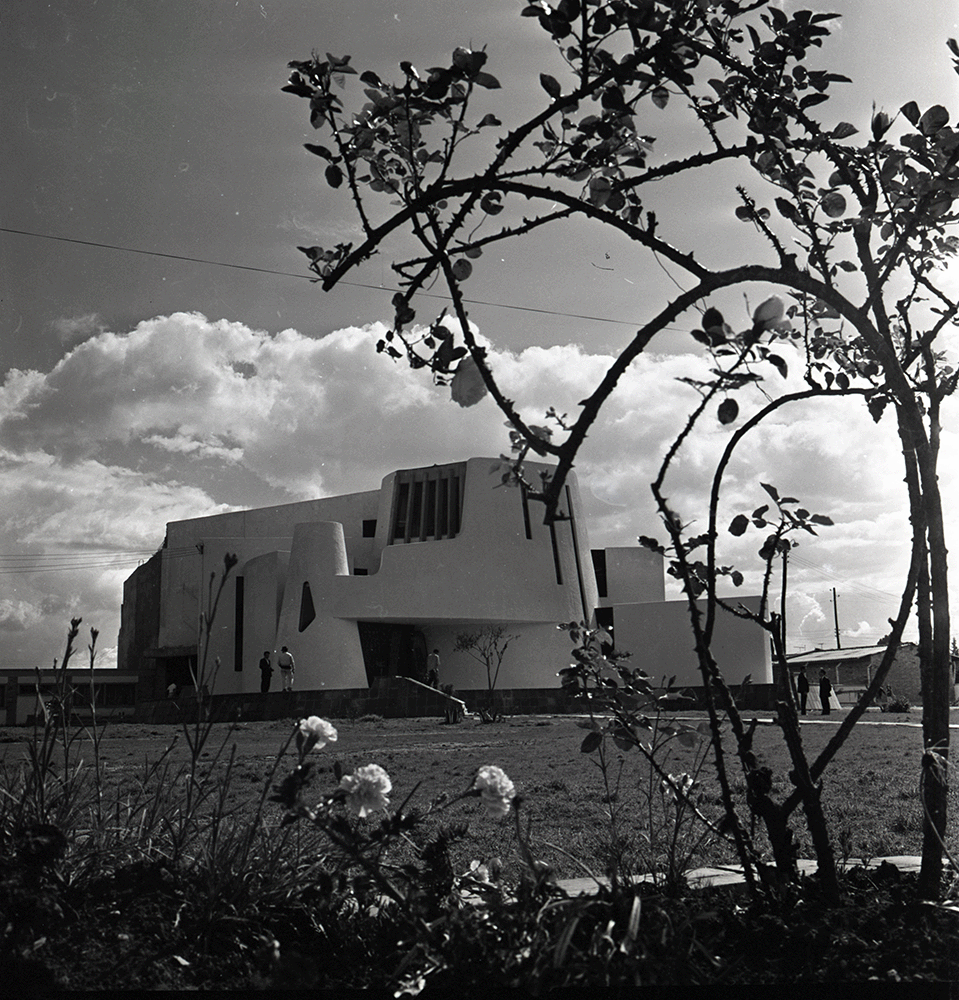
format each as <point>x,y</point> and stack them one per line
<point>834,205</point>
<point>933,120</point>
<point>737,578</point>
<point>486,80</point>
<point>822,519</point>
<point>334,176</point>
<point>843,130</point>
<point>739,525</point>
<point>660,97</point>
<point>651,543</point>
<point>728,411</point>
<point>771,490</point>
<point>551,85</point>
<point>490,203</point>
<point>847,265</point>
<point>712,317</point>
<point>462,269</point>
<point>779,364</point>
<point>591,743</point>
<point>318,150</point>
<point>489,120</point>
<point>787,209</point>
<point>910,111</point>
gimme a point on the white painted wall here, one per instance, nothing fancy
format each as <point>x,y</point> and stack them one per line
<point>634,574</point>
<point>660,638</point>
<point>327,652</point>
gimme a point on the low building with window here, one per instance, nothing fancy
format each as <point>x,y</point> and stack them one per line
<point>852,670</point>
<point>362,587</point>
<point>26,696</point>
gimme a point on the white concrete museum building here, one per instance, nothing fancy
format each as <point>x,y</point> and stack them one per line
<point>363,586</point>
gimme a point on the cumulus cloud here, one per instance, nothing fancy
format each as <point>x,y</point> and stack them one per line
<point>73,330</point>
<point>133,429</point>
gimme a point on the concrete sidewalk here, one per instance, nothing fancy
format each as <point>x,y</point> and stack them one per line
<point>701,878</point>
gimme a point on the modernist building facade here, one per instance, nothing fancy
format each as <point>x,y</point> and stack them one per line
<point>363,586</point>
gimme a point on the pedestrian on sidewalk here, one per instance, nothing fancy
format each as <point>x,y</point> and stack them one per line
<point>802,686</point>
<point>287,666</point>
<point>266,671</point>
<point>825,690</point>
<point>433,669</point>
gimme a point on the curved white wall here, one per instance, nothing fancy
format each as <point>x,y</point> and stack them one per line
<point>327,651</point>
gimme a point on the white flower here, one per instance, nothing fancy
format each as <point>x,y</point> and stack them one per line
<point>366,789</point>
<point>683,782</point>
<point>496,790</point>
<point>314,732</point>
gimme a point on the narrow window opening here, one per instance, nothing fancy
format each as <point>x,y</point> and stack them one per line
<point>599,570</point>
<point>402,507</point>
<point>442,509</point>
<point>556,561</point>
<point>369,528</point>
<point>413,528</point>
<point>307,611</point>
<point>429,518</point>
<point>238,627</point>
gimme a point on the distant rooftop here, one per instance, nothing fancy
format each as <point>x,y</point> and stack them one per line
<point>831,655</point>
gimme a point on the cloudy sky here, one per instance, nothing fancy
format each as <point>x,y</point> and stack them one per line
<point>162,354</point>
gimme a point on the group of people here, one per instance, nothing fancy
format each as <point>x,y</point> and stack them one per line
<point>802,688</point>
<point>287,666</point>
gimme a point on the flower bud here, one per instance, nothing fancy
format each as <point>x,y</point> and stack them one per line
<point>769,313</point>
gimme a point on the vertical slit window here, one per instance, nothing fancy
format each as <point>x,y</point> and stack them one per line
<point>556,561</point>
<point>238,627</point>
<point>307,611</point>
<point>402,508</point>
<point>526,521</point>
<point>599,570</point>
<point>429,515</point>
<point>455,501</point>
<point>442,509</point>
<point>414,528</point>
<point>427,503</point>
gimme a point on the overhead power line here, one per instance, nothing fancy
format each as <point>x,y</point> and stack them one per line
<point>290,274</point>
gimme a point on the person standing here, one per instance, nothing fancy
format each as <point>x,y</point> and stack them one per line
<point>287,667</point>
<point>802,686</point>
<point>433,669</point>
<point>266,671</point>
<point>825,690</point>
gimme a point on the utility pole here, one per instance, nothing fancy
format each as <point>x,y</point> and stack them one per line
<point>782,600</point>
<point>835,612</point>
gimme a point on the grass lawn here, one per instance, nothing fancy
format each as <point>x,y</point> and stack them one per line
<point>162,882</point>
<point>870,789</point>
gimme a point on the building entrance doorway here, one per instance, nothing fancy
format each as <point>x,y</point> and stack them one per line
<point>392,650</point>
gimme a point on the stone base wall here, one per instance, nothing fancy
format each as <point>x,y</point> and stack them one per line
<point>391,698</point>
<point>402,698</point>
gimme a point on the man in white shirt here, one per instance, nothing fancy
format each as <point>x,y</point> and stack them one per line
<point>287,668</point>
